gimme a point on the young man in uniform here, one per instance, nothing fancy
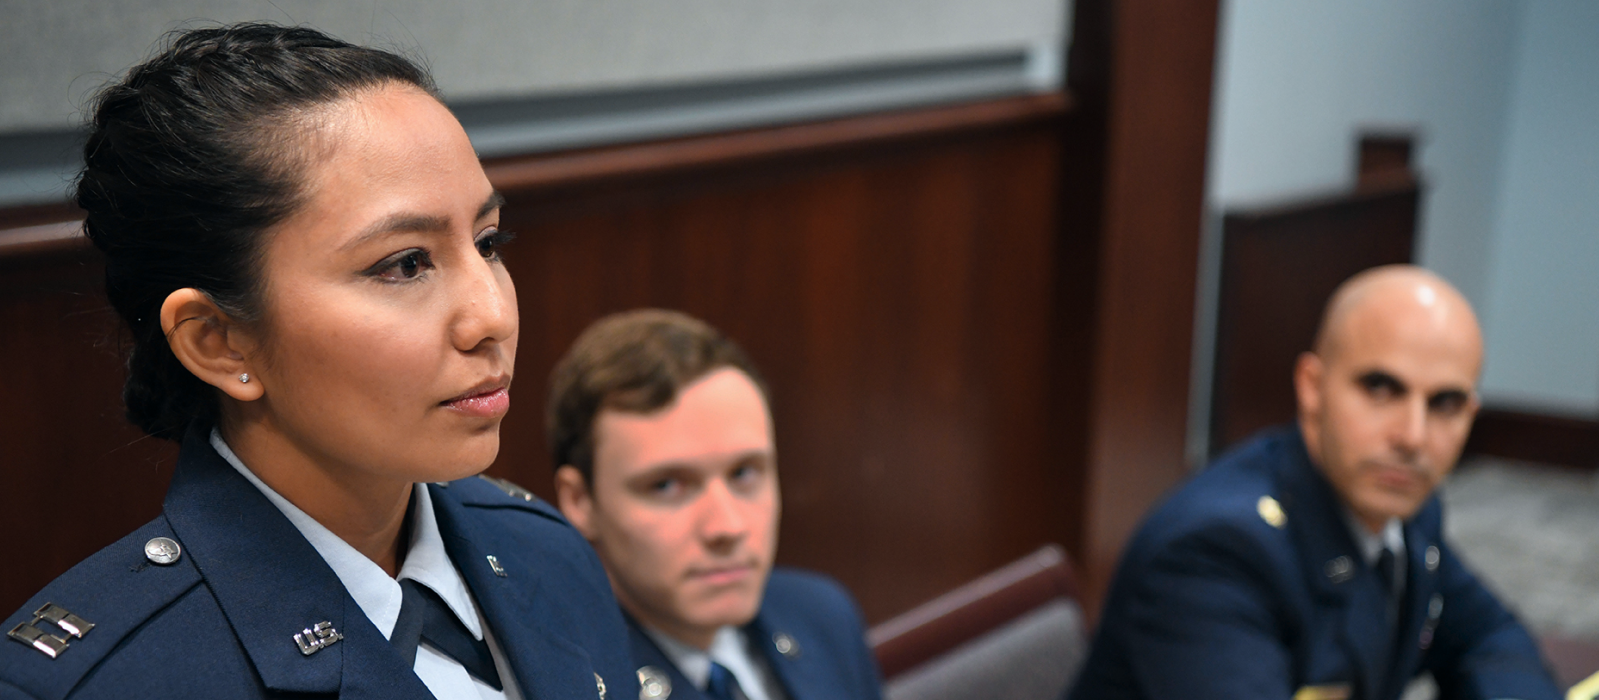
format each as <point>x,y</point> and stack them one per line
<point>665,462</point>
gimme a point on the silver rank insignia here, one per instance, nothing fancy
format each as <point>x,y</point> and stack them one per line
<point>600,684</point>
<point>48,644</point>
<point>313,638</point>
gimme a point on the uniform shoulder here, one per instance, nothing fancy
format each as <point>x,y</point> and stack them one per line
<point>1236,500</point>
<point>66,630</point>
<point>484,491</point>
<point>800,593</point>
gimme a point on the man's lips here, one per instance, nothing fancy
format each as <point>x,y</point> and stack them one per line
<point>489,399</point>
<point>722,575</point>
<point>1396,477</point>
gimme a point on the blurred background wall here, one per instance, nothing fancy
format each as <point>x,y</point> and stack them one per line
<point>1497,94</point>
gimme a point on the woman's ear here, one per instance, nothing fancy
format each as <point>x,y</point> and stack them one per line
<point>209,343</point>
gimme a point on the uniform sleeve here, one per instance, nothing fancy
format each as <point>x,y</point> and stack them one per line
<point>1201,621</point>
<point>1480,651</point>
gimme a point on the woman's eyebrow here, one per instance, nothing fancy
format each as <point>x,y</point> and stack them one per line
<point>495,201</point>
<point>407,222</point>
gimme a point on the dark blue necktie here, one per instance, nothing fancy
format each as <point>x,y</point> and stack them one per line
<point>723,686</point>
<point>424,616</point>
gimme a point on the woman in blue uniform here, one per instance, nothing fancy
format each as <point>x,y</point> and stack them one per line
<point>306,252</point>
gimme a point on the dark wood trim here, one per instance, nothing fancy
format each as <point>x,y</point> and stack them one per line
<point>1533,437</point>
<point>1143,73</point>
<point>966,613</point>
<point>54,228</point>
<point>42,239</point>
<point>582,166</point>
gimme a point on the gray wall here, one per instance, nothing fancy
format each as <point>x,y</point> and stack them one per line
<point>56,51</point>
<point>1503,94</point>
<point>1542,318</point>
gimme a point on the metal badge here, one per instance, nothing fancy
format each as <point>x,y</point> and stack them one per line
<point>1271,511</point>
<point>509,488</point>
<point>786,645</point>
<point>162,551</point>
<point>48,644</point>
<point>1340,570</point>
<point>653,684</point>
<point>312,639</point>
<point>494,563</point>
<point>1432,557</point>
<point>600,683</point>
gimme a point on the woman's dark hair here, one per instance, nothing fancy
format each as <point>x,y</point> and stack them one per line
<point>190,159</point>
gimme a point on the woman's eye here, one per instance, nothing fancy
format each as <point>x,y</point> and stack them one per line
<point>489,245</point>
<point>404,267</point>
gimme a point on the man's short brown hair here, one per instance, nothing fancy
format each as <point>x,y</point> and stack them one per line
<point>634,362</point>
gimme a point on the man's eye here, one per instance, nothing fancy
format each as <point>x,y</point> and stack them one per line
<point>1447,404</point>
<point>666,487</point>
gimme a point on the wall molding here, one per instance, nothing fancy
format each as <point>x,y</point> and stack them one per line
<point>1535,437</point>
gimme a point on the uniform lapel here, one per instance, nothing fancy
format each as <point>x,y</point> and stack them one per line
<point>647,655</point>
<point>1418,613</point>
<point>1337,576</point>
<point>803,671</point>
<point>547,666</point>
<point>272,584</point>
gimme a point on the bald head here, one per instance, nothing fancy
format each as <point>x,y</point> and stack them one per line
<point>1387,397</point>
<point>1398,298</point>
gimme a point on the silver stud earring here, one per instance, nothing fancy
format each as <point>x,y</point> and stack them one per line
<point>244,378</point>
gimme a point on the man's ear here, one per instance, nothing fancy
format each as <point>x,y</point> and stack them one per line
<point>209,343</point>
<point>1308,370</point>
<point>573,497</point>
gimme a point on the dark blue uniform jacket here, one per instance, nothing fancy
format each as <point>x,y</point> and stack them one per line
<point>220,622</point>
<point>808,631</point>
<point>1214,600</point>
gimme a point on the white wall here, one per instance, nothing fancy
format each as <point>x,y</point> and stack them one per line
<point>1542,317</point>
<point>55,51</point>
<point>1505,94</point>
<point>1297,80</point>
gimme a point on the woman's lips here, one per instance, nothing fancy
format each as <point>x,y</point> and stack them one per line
<point>489,404</point>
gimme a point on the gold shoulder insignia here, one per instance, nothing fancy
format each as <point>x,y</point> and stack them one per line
<point>1585,690</point>
<point>1322,692</point>
<point>1271,512</point>
<point>509,488</point>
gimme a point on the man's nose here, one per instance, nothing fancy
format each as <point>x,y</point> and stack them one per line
<point>721,518</point>
<point>1410,426</point>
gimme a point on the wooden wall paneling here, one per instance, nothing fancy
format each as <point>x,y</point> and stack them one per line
<point>897,301</point>
<point>76,475</point>
<point>1154,59</point>
<point>1533,437</point>
<point>894,284</point>
<point>1279,266</point>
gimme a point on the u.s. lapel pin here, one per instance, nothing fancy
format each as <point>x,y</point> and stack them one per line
<point>312,639</point>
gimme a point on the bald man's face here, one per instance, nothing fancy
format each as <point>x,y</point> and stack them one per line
<point>1387,403</point>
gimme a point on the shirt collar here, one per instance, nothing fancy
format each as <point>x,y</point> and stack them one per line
<point>379,596</point>
<point>728,648</point>
<point>1371,543</point>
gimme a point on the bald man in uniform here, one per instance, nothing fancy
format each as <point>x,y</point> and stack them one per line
<point>1309,563</point>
